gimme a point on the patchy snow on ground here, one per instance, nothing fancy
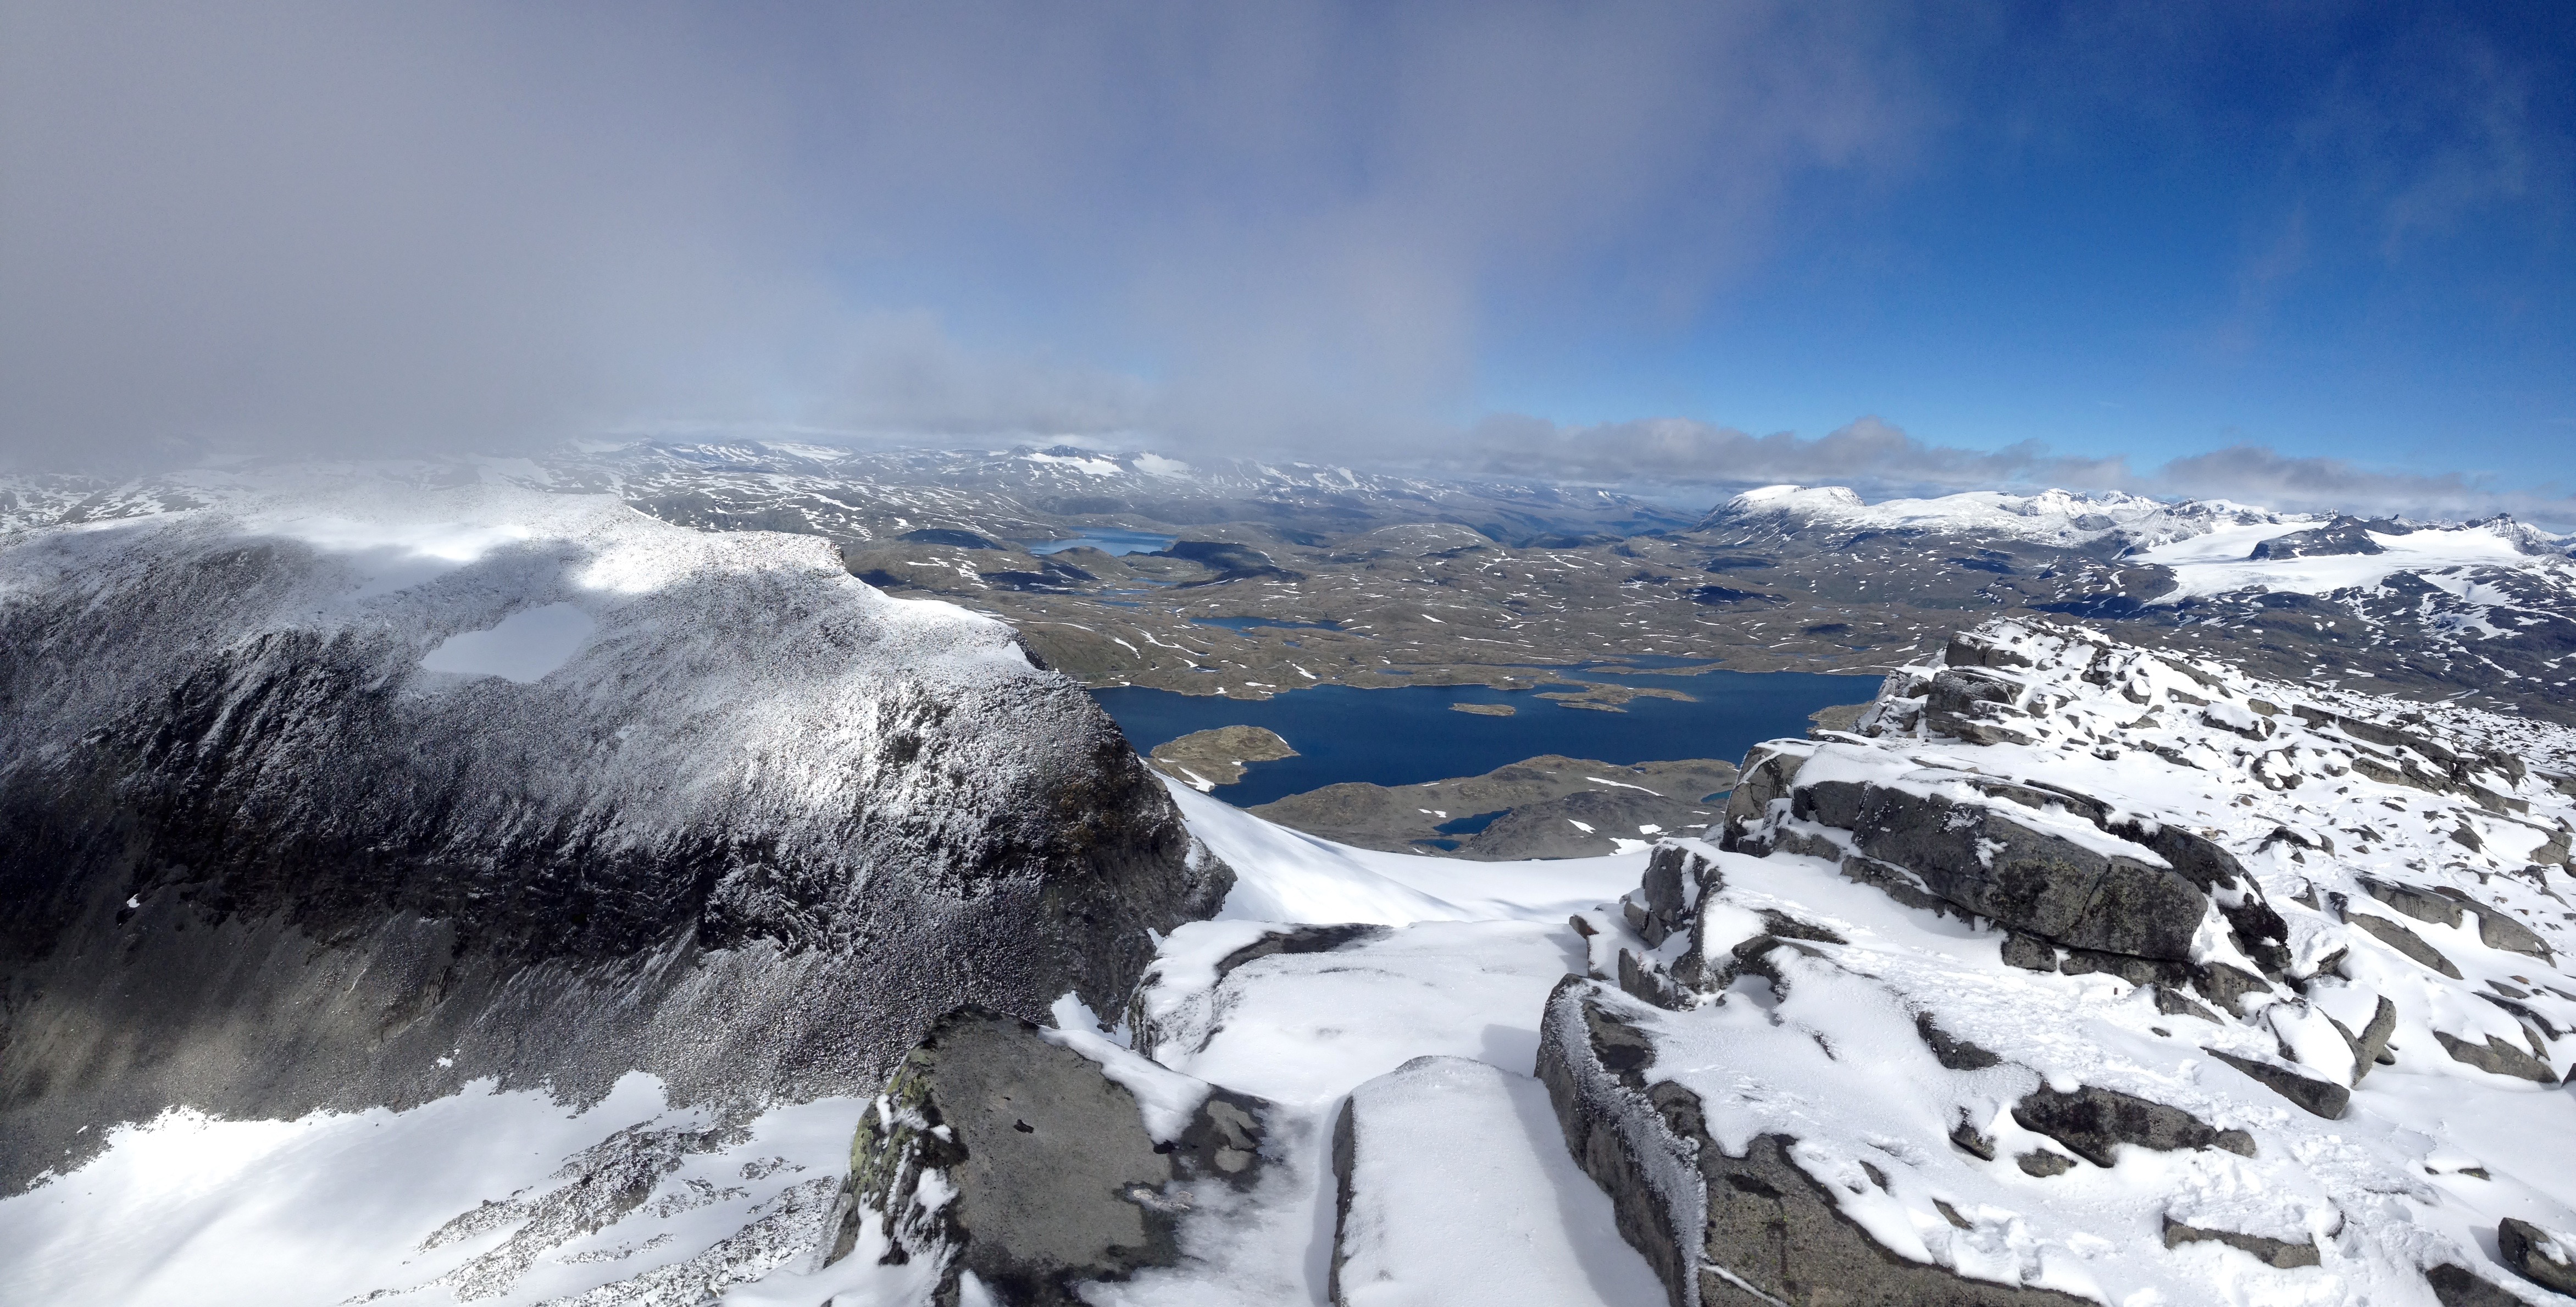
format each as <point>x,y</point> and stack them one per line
<point>2215,564</point>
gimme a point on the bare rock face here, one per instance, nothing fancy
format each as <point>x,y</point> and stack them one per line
<point>1020,1162</point>
<point>751,831</point>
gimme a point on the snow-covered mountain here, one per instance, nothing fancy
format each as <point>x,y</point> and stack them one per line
<point>2078,973</point>
<point>339,792</point>
<point>2431,610</point>
<point>2056,517</point>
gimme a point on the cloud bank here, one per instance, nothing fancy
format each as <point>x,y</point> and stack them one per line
<point>320,227</point>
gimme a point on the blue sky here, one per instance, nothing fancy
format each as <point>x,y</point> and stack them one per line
<point>2314,251</point>
<point>2341,238</point>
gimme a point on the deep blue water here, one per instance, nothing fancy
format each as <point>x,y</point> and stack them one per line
<point>1409,734</point>
<point>1108,540</point>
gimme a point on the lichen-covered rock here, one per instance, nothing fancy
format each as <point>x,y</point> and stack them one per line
<point>1012,1157</point>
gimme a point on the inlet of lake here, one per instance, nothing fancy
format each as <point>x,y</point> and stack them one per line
<point>1411,734</point>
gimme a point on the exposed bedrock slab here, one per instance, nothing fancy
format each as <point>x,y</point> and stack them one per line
<point>1735,1230</point>
<point>1451,1186</point>
<point>2026,878</point>
<point>1020,1160</point>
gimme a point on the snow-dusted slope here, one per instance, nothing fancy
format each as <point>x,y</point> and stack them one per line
<point>2084,975</point>
<point>342,792</point>
<point>2278,1012</point>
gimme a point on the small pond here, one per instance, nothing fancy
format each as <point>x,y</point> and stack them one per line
<point>1108,540</point>
<point>1411,734</point>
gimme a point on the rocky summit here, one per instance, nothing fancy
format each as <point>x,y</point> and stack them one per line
<point>2073,972</point>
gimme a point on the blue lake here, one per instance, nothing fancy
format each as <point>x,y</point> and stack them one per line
<point>1108,540</point>
<point>1410,734</point>
<point>1239,625</point>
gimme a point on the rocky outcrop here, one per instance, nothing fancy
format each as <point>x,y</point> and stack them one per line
<point>1019,1161</point>
<point>2075,886</point>
<point>751,835</point>
<point>1746,1228</point>
<point>2171,950</point>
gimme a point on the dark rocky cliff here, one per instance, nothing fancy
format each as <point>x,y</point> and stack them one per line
<point>761,829</point>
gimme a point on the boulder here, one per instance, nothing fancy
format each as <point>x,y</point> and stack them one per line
<point>2455,1285</point>
<point>2537,1255</point>
<point>2404,941</point>
<point>2092,1121</point>
<point>2323,1098</point>
<point>1014,1157</point>
<point>2498,1056</point>
<point>2275,1253</point>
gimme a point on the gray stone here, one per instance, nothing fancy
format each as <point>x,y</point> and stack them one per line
<point>2226,986</point>
<point>1950,1050</point>
<point>2029,952</point>
<point>1972,1141</point>
<point>2528,1250</point>
<point>1768,772</point>
<point>2043,1163</point>
<point>2092,1121</point>
<point>2370,1047</point>
<point>2322,1098</point>
<point>2497,1056</point>
<point>2498,930</point>
<point>2404,941</point>
<point>2458,1286</point>
<point>2175,1005</point>
<point>1055,1181</point>
<point>2270,1252</point>
<point>2422,905</point>
<point>1724,1231</point>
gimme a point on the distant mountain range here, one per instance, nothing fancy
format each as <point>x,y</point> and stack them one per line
<point>1403,579</point>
